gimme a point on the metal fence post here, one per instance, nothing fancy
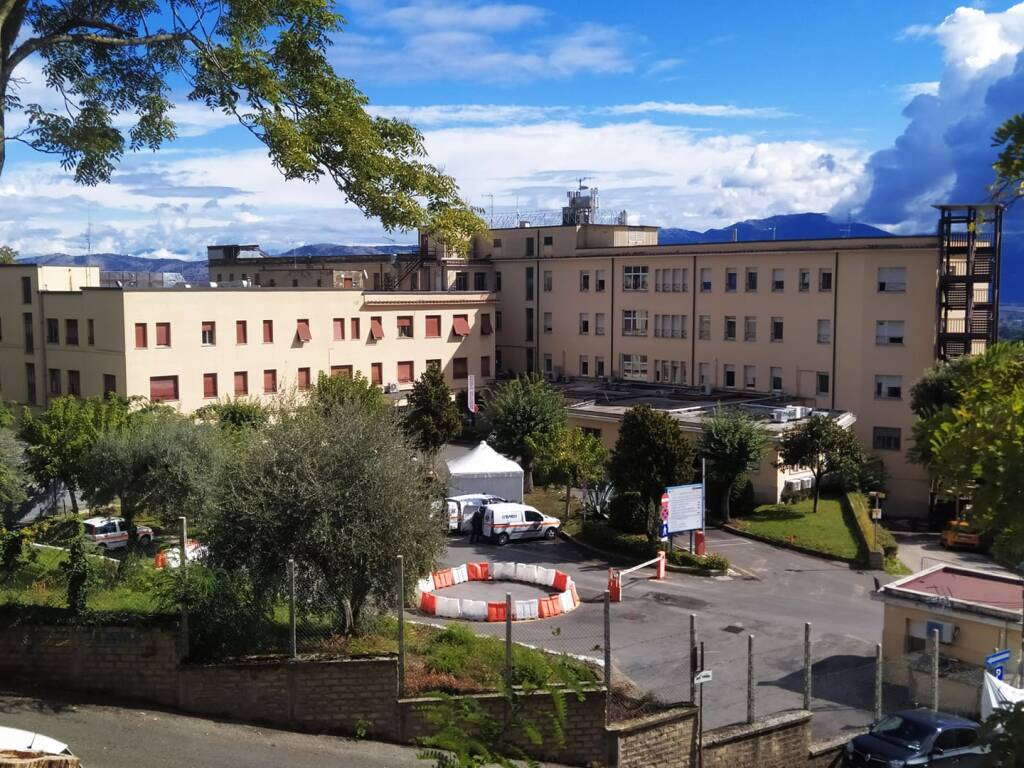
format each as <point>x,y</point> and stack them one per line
<point>807,665</point>
<point>693,657</point>
<point>293,644</point>
<point>750,678</point>
<point>607,641</point>
<point>935,670</point>
<point>401,626</point>
<point>183,554</point>
<point>878,681</point>
<point>508,641</point>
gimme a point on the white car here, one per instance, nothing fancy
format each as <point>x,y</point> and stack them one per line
<point>462,508</point>
<point>112,532</point>
<point>509,520</point>
<point>17,740</point>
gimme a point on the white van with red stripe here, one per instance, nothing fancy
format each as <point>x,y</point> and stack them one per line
<point>509,520</point>
<point>112,532</point>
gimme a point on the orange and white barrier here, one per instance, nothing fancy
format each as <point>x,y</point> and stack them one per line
<point>615,575</point>
<point>171,558</point>
<point>565,600</point>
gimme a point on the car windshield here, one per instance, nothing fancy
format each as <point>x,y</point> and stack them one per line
<point>901,731</point>
<point>90,529</point>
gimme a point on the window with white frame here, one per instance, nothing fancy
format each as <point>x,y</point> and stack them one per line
<point>584,323</point>
<point>892,279</point>
<point>599,323</point>
<point>730,328</point>
<point>750,328</point>
<point>548,366</point>
<point>730,375</point>
<point>670,371</point>
<point>887,438</point>
<point>778,279</point>
<point>822,383</point>
<point>889,332</point>
<point>634,322</point>
<point>670,280</point>
<point>634,278</point>
<point>547,281</point>
<point>776,379</point>
<point>824,279</point>
<point>750,377</point>
<point>705,279</point>
<point>634,367</point>
<point>599,280</point>
<point>584,365</point>
<point>824,331</point>
<point>599,366</point>
<point>670,326</point>
<point>777,329</point>
<point>704,328</point>
<point>888,387</point>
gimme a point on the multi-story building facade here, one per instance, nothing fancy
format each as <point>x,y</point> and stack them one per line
<point>60,333</point>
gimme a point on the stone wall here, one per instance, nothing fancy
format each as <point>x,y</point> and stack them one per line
<point>336,696</point>
<point>667,740</point>
<point>583,740</point>
<point>781,741</point>
<point>123,661</point>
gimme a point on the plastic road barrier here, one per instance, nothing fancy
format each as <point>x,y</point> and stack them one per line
<point>564,601</point>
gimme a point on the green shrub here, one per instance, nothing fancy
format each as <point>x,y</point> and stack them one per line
<point>628,513</point>
<point>11,544</point>
<point>857,504</point>
<point>709,562</point>
<point>80,575</point>
<point>603,536</point>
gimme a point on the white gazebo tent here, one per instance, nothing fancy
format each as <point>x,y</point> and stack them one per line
<point>484,470</point>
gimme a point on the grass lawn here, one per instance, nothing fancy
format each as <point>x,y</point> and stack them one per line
<point>551,501</point>
<point>828,531</point>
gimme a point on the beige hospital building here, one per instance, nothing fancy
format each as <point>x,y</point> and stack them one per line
<point>843,325</point>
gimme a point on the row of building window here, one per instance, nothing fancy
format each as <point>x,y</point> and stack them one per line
<point>163,388</point>
<point>70,331</point>
<point>59,383</point>
<point>405,329</point>
<point>676,279</point>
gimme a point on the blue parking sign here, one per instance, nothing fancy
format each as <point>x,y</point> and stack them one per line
<point>997,673</point>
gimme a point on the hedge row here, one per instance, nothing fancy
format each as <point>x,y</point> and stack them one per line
<point>886,547</point>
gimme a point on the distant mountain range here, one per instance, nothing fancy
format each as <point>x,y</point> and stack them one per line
<point>795,226</point>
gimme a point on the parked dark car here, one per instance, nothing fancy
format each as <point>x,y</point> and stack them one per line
<point>918,737</point>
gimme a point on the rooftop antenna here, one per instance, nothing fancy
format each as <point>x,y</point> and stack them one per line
<point>581,179</point>
<point>88,230</point>
<point>847,231</point>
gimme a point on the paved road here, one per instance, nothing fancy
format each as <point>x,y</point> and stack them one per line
<point>777,592</point>
<point>923,550</point>
<point>106,736</point>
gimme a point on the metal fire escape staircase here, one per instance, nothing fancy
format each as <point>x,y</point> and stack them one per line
<point>970,243</point>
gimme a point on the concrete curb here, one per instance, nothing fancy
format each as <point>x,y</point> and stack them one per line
<point>786,545</point>
<point>614,558</point>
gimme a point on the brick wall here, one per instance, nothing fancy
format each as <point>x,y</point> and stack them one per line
<point>584,737</point>
<point>667,740</point>
<point>343,696</point>
<point>124,661</point>
<point>780,741</point>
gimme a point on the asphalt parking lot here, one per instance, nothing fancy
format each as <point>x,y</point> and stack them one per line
<point>771,596</point>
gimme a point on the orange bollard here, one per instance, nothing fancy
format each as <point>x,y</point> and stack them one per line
<point>699,543</point>
<point>659,567</point>
<point>614,585</point>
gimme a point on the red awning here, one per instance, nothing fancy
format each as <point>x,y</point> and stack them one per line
<point>460,326</point>
<point>302,330</point>
<point>376,331</point>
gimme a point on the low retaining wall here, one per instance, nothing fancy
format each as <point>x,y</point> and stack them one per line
<point>774,742</point>
<point>584,737</point>
<point>667,740</point>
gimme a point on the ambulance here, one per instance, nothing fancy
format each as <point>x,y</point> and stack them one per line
<point>112,532</point>
<point>462,508</point>
<point>504,522</point>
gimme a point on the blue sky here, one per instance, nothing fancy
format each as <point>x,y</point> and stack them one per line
<point>683,113</point>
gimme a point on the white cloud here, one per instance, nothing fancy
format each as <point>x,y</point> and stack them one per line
<point>908,91</point>
<point>447,15</point>
<point>449,114</point>
<point>688,108</point>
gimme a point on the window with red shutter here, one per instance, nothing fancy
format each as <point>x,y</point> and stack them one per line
<point>163,388</point>
<point>241,382</point>
<point>460,369</point>
<point>140,336</point>
<point>209,333</point>
<point>355,327</point>
<point>433,326</point>
<point>339,329</point>
<point>485,324</point>
<point>163,334</point>
<point>302,330</point>
<point>241,332</point>
<point>376,329</point>
<point>377,373</point>
<point>270,380</point>
<point>460,325</point>
<point>345,371</point>
<point>209,385</point>
<point>405,372</point>
<point>268,331</point>
<point>303,379</point>
<point>405,327</point>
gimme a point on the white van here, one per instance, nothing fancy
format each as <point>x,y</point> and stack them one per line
<point>510,520</point>
<point>461,509</point>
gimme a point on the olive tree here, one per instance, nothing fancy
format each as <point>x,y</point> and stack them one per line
<point>343,492</point>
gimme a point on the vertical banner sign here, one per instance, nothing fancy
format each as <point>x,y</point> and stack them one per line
<point>471,393</point>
